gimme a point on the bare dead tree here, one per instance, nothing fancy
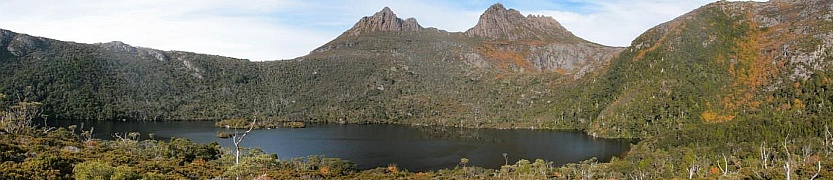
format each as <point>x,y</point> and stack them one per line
<point>237,138</point>
<point>828,144</point>
<point>764,156</point>
<point>787,168</point>
<point>693,168</point>
<point>817,171</point>
<point>807,153</point>
<point>20,117</point>
<point>87,136</point>
<point>724,169</point>
<point>506,159</point>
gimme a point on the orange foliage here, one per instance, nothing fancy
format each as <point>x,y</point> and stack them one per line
<point>324,170</point>
<point>393,169</point>
<point>505,59</point>
<point>815,158</point>
<point>798,105</point>
<point>556,174</point>
<point>714,170</point>
<point>199,162</point>
<point>752,67</point>
<point>712,117</point>
<point>91,143</point>
<point>708,116</point>
<point>561,71</point>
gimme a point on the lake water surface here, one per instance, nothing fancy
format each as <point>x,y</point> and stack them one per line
<point>376,145</point>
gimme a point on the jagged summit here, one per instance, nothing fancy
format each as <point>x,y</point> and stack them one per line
<point>384,20</point>
<point>501,23</point>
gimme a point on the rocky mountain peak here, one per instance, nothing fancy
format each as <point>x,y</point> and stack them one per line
<point>118,46</point>
<point>384,20</point>
<point>501,23</point>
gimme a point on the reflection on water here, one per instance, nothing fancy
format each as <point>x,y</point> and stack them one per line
<point>376,145</point>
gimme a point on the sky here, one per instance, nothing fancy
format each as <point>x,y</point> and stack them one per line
<point>261,30</point>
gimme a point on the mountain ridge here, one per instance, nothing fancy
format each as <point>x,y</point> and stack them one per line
<point>384,20</point>
<point>381,59</point>
<point>541,50</point>
<point>497,22</point>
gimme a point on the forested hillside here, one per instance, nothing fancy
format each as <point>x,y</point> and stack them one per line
<point>384,70</point>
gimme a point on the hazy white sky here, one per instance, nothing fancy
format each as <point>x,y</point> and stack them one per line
<point>284,29</point>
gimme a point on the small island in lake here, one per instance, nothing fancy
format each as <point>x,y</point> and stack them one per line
<point>240,123</point>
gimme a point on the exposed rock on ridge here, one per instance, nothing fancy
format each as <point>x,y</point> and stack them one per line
<point>118,46</point>
<point>509,24</point>
<point>384,20</point>
<point>19,44</point>
<point>535,43</point>
<point>23,44</point>
<point>513,42</point>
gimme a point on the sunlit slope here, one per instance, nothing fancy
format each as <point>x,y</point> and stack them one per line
<point>723,62</point>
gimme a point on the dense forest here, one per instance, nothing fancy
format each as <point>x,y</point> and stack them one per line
<point>730,90</point>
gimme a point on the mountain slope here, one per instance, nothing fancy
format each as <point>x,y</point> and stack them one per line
<point>509,24</point>
<point>731,90</point>
<point>510,41</point>
<point>721,62</point>
<point>384,69</point>
<point>113,80</point>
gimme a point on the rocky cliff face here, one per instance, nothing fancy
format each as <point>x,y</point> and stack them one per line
<point>384,20</point>
<point>503,39</point>
<point>535,43</point>
<point>509,24</point>
<point>575,59</point>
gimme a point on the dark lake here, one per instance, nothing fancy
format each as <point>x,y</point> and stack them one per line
<point>376,145</point>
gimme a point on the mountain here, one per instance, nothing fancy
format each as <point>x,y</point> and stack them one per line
<point>384,20</point>
<point>509,24</point>
<point>535,43</point>
<point>383,69</point>
<point>726,61</point>
<point>729,83</point>
<point>115,80</point>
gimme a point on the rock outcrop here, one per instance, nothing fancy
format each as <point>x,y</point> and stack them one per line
<point>118,46</point>
<point>535,43</point>
<point>509,24</point>
<point>22,44</point>
<point>384,20</point>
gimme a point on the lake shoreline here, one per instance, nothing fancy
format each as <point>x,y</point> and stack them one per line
<point>441,134</point>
